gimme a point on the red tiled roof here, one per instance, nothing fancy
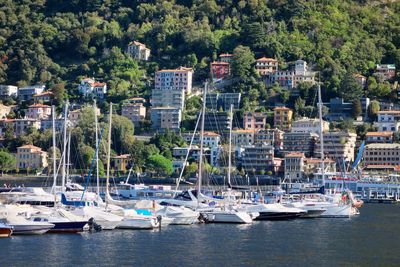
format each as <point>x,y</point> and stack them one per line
<point>387,134</point>
<point>294,155</point>
<point>267,59</point>
<point>39,106</point>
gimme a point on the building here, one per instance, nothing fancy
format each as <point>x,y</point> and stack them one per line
<point>138,50</point>
<point>341,110</point>
<point>270,137</point>
<point>306,125</point>
<point>120,162</point>
<point>38,111</point>
<point>293,77</point>
<point>382,154</point>
<point>220,70</point>
<point>75,115</point>
<point>385,71</point>
<point>31,157</point>
<point>134,109</point>
<point>27,93</point>
<point>226,58</point>
<point>257,159</point>
<point>283,118</point>
<point>45,97</point>
<point>174,79</point>
<point>48,124</point>
<point>294,166</point>
<point>210,139</point>
<point>20,126</point>
<point>89,87</point>
<point>313,166</point>
<point>223,101</point>
<point>166,118</point>
<point>8,90</point>
<point>362,80</point>
<point>216,121</point>
<point>5,110</point>
<point>265,66</point>
<point>338,146</point>
<point>242,137</point>
<point>388,120</point>
<point>255,120</point>
<point>299,142</point>
<point>379,137</point>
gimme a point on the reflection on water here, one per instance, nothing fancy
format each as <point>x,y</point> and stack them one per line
<point>369,239</point>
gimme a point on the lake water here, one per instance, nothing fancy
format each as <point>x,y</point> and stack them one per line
<point>370,239</point>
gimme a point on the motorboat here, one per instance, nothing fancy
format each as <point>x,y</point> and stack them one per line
<point>134,220</point>
<point>225,215</point>
<point>178,215</point>
<point>28,195</point>
<point>274,211</point>
<point>5,230</point>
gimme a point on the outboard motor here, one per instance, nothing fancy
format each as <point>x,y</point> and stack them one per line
<point>93,226</point>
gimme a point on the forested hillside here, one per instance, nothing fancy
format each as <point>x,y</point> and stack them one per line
<point>60,40</point>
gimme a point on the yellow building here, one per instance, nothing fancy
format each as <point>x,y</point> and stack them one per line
<point>31,157</point>
<point>120,162</point>
<point>283,118</point>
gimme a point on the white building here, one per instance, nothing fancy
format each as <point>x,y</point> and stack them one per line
<point>31,157</point>
<point>338,146</point>
<point>89,86</point>
<point>388,120</point>
<point>8,90</point>
<point>291,78</point>
<point>138,50</point>
<point>308,125</point>
<point>210,139</point>
<point>27,93</point>
<point>38,111</point>
<point>242,137</point>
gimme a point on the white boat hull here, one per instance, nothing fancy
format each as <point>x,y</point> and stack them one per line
<point>337,211</point>
<point>138,223</point>
<point>31,229</point>
<point>228,217</point>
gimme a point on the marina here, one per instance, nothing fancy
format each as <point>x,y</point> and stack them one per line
<point>265,243</point>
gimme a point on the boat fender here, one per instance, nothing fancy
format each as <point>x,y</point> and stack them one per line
<point>159,219</point>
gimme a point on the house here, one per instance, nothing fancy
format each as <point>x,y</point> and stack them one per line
<point>194,152</point>
<point>338,146</point>
<point>242,137</point>
<point>210,139</point>
<point>8,90</point>
<point>27,93</point>
<point>5,110</point>
<point>379,137</point>
<point>38,111</point>
<point>305,125</point>
<point>48,124</point>
<point>89,87</point>
<point>313,166</point>
<point>31,157</point>
<point>385,72</point>
<point>361,80</point>
<point>44,97</point>
<point>120,163</point>
<point>255,120</point>
<point>20,126</point>
<point>294,166</point>
<point>166,118</point>
<point>220,70</point>
<point>226,58</point>
<point>265,66</point>
<point>134,109</point>
<point>257,159</point>
<point>272,137</point>
<point>293,77</point>
<point>283,118</point>
<point>218,101</point>
<point>299,142</point>
<point>138,50</point>
<point>388,120</point>
<point>382,154</point>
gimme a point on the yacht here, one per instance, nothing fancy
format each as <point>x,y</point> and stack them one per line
<point>275,211</point>
<point>5,230</point>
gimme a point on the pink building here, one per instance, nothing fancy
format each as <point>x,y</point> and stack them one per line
<point>38,111</point>
<point>255,120</point>
<point>220,70</point>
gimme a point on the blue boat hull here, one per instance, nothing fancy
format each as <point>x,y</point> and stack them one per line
<point>68,227</point>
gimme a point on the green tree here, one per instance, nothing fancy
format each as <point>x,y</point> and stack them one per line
<point>160,165</point>
<point>7,162</point>
<point>373,109</point>
<point>242,64</point>
<point>191,169</point>
<point>58,93</point>
<point>350,89</point>
<point>356,108</point>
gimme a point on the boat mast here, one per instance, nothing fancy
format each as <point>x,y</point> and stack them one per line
<point>97,148</point>
<point>321,136</point>
<point>108,152</point>
<point>230,146</point>
<point>64,146</point>
<point>201,142</point>
<point>54,149</point>
<point>68,154</point>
